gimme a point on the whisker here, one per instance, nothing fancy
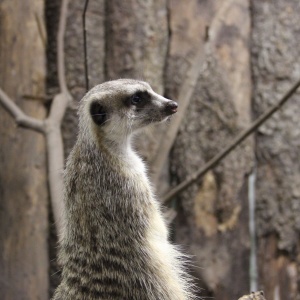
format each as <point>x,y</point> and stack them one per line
<point>105,121</point>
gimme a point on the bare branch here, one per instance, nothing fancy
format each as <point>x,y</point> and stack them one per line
<point>60,49</point>
<point>58,109</point>
<point>55,156</point>
<point>64,97</point>
<point>215,160</point>
<point>20,117</point>
<point>185,96</point>
<point>86,71</point>
<point>53,124</point>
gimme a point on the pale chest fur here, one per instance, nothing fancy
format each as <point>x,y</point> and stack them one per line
<point>135,168</point>
<point>164,257</point>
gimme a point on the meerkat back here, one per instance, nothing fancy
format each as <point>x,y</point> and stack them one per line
<point>115,243</point>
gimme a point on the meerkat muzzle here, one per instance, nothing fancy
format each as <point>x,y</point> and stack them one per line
<point>171,107</point>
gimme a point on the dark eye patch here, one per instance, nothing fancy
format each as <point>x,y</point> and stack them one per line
<point>138,99</point>
<point>98,113</point>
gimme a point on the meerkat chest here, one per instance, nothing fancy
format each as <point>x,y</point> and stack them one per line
<point>137,171</point>
<point>134,167</point>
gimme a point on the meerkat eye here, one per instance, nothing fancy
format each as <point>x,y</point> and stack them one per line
<point>140,98</point>
<point>136,99</point>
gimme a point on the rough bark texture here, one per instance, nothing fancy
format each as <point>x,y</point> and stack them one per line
<point>275,65</point>
<point>212,218</point>
<point>23,186</point>
<point>157,41</point>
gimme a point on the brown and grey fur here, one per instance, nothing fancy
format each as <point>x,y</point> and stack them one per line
<point>115,244</point>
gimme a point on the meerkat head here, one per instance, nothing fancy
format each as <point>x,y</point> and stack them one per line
<point>121,107</point>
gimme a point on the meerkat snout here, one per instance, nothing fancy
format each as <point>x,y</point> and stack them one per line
<point>171,107</point>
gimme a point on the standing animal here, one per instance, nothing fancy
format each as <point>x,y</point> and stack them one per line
<point>115,244</point>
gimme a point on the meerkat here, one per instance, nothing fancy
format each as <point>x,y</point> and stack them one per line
<point>115,244</point>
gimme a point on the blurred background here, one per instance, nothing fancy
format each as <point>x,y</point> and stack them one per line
<point>226,61</point>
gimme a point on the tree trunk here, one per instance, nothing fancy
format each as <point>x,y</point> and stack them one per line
<point>23,186</point>
<point>212,219</point>
<point>275,65</point>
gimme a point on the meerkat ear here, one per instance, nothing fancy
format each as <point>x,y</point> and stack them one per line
<point>98,113</point>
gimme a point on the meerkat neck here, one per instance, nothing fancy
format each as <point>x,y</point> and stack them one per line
<point>121,146</point>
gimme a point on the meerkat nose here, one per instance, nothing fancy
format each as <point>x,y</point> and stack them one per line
<point>171,107</point>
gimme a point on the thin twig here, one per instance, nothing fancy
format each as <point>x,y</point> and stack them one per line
<point>215,160</point>
<point>86,71</point>
<point>61,50</point>
<point>20,117</point>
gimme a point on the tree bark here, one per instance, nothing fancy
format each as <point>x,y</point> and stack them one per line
<point>158,41</point>
<point>212,219</point>
<point>275,66</point>
<point>23,185</point>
